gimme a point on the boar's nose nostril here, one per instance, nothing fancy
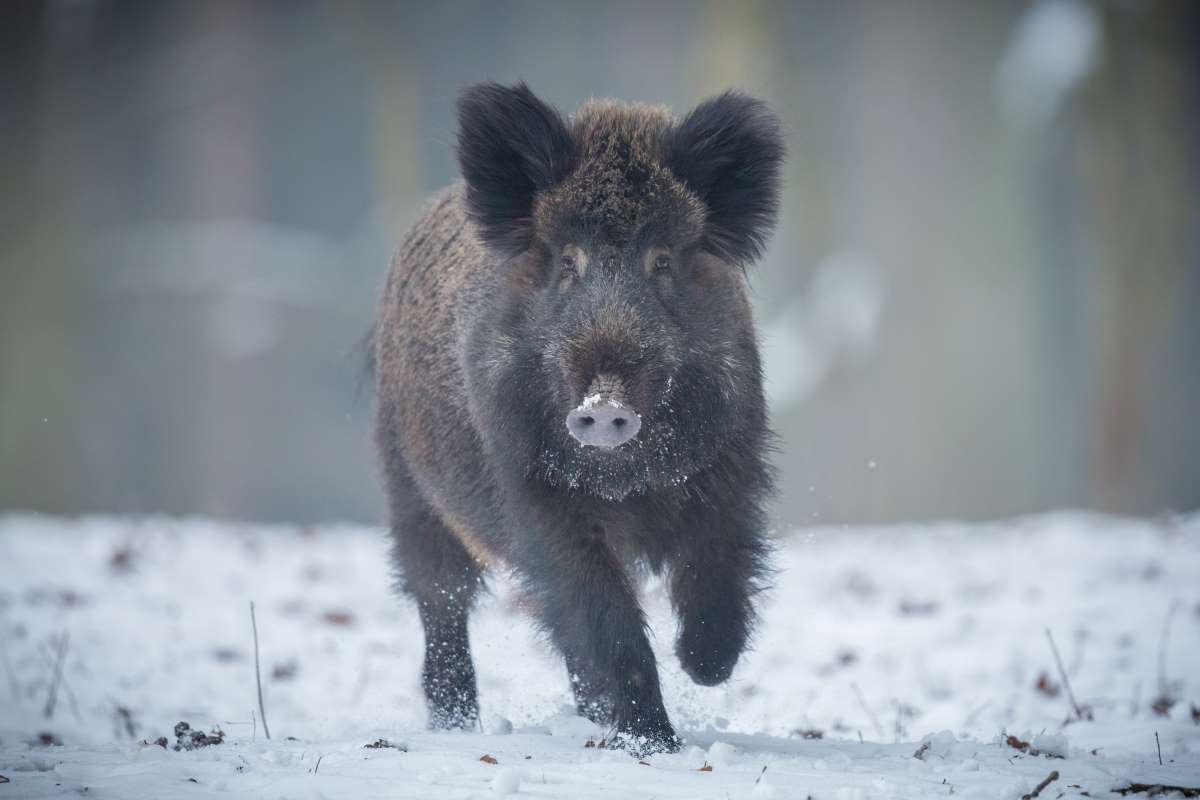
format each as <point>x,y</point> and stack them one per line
<point>605,424</point>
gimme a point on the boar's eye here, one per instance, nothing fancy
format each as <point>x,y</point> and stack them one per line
<point>572,263</point>
<point>658,261</point>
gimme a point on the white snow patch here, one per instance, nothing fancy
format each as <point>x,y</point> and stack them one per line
<point>940,627</point>
<point>497,725</point>
<point>507,781</point>
<point>1053,743</point>
<point>722,754</point>
<point>940,744</point>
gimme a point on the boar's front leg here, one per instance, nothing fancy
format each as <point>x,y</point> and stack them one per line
<point>718,567</point>
<point>585,601</point>
<point>442,577</point>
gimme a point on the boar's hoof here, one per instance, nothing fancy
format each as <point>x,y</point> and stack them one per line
<point>453,719</point>
<point>711,669</point>
<point>603,423</point>
<point>642,745</point>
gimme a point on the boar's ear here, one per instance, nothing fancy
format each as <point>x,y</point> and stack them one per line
<point>728,151</point>
<point>511,145</point>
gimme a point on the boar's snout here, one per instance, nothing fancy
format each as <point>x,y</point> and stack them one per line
<point>603,422</point>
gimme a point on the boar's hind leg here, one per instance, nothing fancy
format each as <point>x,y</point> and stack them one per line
<point>440,575</point>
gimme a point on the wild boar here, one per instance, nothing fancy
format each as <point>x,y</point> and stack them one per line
<point>569,386</point>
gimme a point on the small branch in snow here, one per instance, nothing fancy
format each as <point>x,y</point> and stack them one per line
<point>123,719</point>
<point>251,722</point>
<point>257,673</point>
<point>974,714</point>
<point>1158,744</point>
<point>1051,778</point>
<point>759,778</point>
<point>903,711</point>
<point>360,686</point>
<point>1063,674</point>
<point>52,698</point>
<point>863,702</point>
<point>1155,789</point>
<point>47,654</point>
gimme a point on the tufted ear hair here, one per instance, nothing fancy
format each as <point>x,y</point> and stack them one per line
<point>511,145</point>
<point>729,151</point>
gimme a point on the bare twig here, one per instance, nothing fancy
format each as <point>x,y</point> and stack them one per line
<point>251,722</point>
<point>1063,674</point>
<point>863,702</point>
<point>124,719</point>
<point>318,766</point>
<point>1051,778</point>
<point>257,674</point>
<point>759,778</point>
<point>1158,744</point>
<point>974,714</point>
<point>903,711</point>
<point>52,698</point>
<point>360,686</point>
<point>49,657</point>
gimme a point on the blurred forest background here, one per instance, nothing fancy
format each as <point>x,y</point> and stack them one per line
<point>982,300</point>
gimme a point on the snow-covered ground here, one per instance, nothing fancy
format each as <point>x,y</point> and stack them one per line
<point>872,639</point>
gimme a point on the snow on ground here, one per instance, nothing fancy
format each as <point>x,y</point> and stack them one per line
<point>873,640</point>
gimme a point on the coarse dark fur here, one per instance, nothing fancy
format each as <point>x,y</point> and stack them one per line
<point>604,250</point>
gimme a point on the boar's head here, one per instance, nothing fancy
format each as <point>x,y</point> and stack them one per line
<point>619,354</point>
